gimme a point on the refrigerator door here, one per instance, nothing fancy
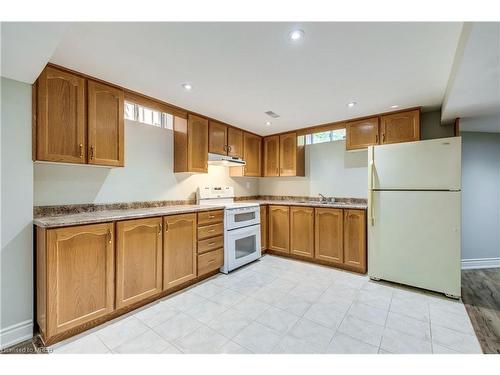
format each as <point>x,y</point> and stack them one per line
<point>414,239</point>
<point>424,165</point>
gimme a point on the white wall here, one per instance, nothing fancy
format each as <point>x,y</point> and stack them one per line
<point>147,175</point>
<point>330,170</point>
<point>480,199</point>
<point>16,260</point>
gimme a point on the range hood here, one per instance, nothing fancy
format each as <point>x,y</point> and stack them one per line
<point>225,161</point>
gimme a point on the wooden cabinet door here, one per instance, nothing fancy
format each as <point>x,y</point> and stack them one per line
<point>272,156</point>
<point>197,144</point>
<point>362,133</point>
<point>263,228</point>
<point>302,231</point>
<point>105,125</point>
<point>251,154</point>
<point>279,228</point>
<point>61,117</point>
<point>400,127</point>
<point>355,239</point>
<point>235,142</point>
<point>138,260</point>
<point>288,154</point>
<point>217,138</point>
<point>179,249</point>
<point>329,235</point>
<point>80,275</point>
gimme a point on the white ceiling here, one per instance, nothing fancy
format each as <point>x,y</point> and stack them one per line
<point>240,70</point>
<point>474,88</point>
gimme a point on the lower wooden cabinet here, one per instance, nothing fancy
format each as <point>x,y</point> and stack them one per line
<point>329,235</point>
<point>263,228</point>
<point>279,228</point>
<point>179,249</point>
<point>211,261</point>
<point>75,276</point>
<point>138,260</point>
<point>302,231</point>
<point>355,239</point>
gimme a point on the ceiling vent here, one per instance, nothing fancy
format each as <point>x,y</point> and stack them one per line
<point>272,114</point>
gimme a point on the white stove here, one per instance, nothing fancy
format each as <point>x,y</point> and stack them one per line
<point>241,226</point>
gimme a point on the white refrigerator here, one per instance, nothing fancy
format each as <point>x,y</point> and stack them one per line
<point>414,214</point>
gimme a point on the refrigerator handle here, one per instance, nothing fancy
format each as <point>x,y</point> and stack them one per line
<point>371,166</point>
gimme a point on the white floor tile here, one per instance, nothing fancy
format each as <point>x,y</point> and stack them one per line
<point>178,326</point>
<point>269,295</point>
<point>292,345</point>
<point>453,320</point>
<point>122,331</point>
<point>458,341</point>
<point>232,348</point>
<point>207,289</point>
<point>312,332</point>
<point>251,307</point>
<point>411,307</point>
<point>293,304</point>
<point>183,301</point>
<point>362,330</point>
<point>368,313</point>
<point>438,349</point>
<point>206,311</point>
<point>279,320</point>
<point>326,314</point>
<point>374,298</point>
<point>258,338</point>
<point>307,293</point>
<point>413,327</point>
<point>400,343</point>
<point>230,323</point>
<point>228,297</point>
<point>343,344</point>
<point>156,314</point>
<point>203,340</point>
<point>90,344</point>
<point>147,343</point>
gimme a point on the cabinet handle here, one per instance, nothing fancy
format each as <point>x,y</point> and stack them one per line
<point>225,147</point>
<point>91,152</point>
<point>229,148</point>
<point>211,217</point>
<point>110,237</point>
<point>81,151</point>
<point>277,171</point>
<point>376,138</point>
<point>211,230</point>
<point>281,171</point>
<point>166,227</point>
<point>159,230</point>
<point>211,243</point>
<point>383,137</point>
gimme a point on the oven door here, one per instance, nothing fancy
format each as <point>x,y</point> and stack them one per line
<point>242,247</point>
<point>242,217</point>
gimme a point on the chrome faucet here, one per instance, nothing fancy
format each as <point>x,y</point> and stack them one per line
<point>323,198</point>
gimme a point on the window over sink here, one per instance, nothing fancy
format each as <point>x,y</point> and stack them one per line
<point>326,136</point>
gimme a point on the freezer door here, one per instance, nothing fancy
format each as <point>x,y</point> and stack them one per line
<point>414,239</point>
<point>423,165</point>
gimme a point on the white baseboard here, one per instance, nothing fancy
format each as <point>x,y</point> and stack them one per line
<point>469,264</point>
<point>16,333</point>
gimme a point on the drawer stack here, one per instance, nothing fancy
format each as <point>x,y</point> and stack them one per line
<point>210,241</point>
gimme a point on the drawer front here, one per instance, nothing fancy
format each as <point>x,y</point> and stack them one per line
<point>210,244</point>
<point>210,261</point>
<point>210,217</point>
<point>210,231</point>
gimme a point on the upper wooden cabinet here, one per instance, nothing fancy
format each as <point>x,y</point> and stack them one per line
<point>190,144</point>
<point>279,228</point>
<point>179,249</point>
<point>217,138</point>
<point>355,239</point>
<point>105,125</point>
<point>272,156</point>
<point>400,127</point>
<point>329,235</point>
<point>235,142</point>
<point>284,155</point>
<point>138,260</point>
<point>68,114</point>
<point>302,231</point>
<point>362,133</point>
<point>252,145</point>
<point>60,121</point>
<point>77,264</point>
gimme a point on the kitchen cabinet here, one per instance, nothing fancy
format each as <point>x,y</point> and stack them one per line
<point>400,127</point>
<point>235,142</point>
<point>284,155</point>
<point>190,144</point>
<point>75,276</point>
<point>355,239</point>
<point>138,260</point>
<point>279,228</point>
<point>271,156</point>
<point>105,125</point>
<point>210,241</point>
<point>329,235</point>
<point>252,145</point>
<point>60,121</point>
<point>217,138</point>
<point>210,261</point>
<point>302,231</point>
<point>179,249</point>
<point>78,120</point>
<point>263,227</point>
<point>362,133</point>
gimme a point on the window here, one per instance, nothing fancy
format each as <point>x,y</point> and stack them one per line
<point>148,116</point>
<point>328,136</point>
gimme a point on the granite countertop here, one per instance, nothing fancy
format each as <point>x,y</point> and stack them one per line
<point>291,202</point>
<point>120,214</point>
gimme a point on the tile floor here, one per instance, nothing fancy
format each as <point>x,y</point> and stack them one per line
<point>279,305</point>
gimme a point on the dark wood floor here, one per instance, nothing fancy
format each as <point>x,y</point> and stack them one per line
<point>481,296</point>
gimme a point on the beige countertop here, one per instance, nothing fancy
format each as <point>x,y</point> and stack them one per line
<point>356,206</point>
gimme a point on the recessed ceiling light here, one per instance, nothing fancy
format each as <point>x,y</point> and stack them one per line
<point>268,123</point>
<point>351,104</point>
<point>187,86</point>
<point>296,35</point>
<point>395,106</point>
